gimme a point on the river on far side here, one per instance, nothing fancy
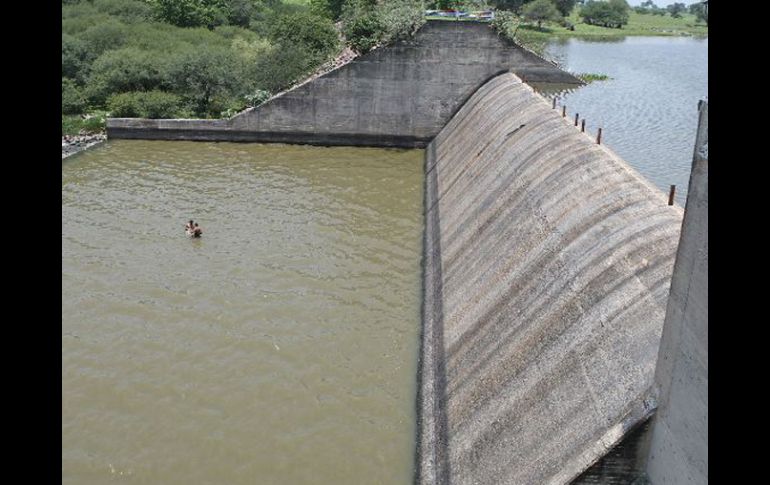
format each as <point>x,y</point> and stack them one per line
<point>648,110</point>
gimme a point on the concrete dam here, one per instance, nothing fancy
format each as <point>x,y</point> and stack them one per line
<point>548,264</point>
<point>396,96</point>
<point>547,259</point>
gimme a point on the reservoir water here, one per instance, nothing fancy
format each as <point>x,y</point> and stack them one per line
<point>279,348</point>
<point>648,110</point>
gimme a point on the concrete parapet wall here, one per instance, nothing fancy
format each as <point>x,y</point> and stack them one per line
<point>679,448</point>
<point>396,96</point>
<point>547,268</point>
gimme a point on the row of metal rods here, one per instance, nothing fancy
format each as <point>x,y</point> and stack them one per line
<point>582,125</point>
<point>671,192</point>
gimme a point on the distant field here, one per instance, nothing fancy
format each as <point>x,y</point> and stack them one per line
<point>638,24</point>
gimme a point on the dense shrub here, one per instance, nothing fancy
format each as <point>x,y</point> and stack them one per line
<point>612,13</point>
<point>308,30</point>
<point>129,11</point>
<point>94,122</point>
<point>200,50</point>
<point>327,8</point>
<point>506,24</point>
<point>259,97</point>
<point>202,76</point>
<point>366,24</point>
<point>564,6</point>
<point>104,36</point>
<point>251,50</point>
<point>75,58</point>
<point>192,13</point>
<point>230,32</point>
<point>150,104</point>
<point>401,18</point>
<point>281,67</point>
<point>540,11</point>
<point>123,70</point>
<point>364,31</point>
<point>167,39</point>
<point>240,12</point>
<point>510,5</point>
<point>72,99</point>
<point>77,18</point>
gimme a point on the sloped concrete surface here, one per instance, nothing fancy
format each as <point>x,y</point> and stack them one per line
<point>679,449</point>
<point>548,262</point>
<point>395,96</point>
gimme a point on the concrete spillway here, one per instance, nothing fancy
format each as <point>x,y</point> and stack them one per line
<point>400,95</point>
<point>548,262</point>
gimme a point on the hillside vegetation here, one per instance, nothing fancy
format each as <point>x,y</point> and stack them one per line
<point>206,58</point>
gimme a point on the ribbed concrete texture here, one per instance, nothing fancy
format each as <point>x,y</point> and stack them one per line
<point>679,448</point>
<point>623,465</point>
<point>547,267</point>
<point>400,95</point>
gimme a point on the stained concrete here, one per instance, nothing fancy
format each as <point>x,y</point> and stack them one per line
<point>547,268</point>
<point>396,96</point>
<point>679,448</point>
<point>623,465</point>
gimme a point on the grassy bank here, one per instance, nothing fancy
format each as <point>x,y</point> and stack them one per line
<point>83,125</point>
<point>638,25</point>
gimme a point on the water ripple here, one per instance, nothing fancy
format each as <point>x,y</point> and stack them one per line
<point>282,342</point>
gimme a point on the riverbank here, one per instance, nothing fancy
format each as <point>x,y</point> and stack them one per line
<point>535,39</point>
<point>72,144</point>
<point>638,25</point>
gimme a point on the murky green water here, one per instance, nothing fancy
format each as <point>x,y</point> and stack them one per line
<point>280,348</point>
<point>648,110</point>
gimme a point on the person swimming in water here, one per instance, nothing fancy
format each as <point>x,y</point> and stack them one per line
<point>192,229</point>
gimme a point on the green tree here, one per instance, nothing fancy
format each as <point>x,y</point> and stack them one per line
<point>401,18</point>
<point>282,67</point>
<point>192,13</point>
<point>612,13</point>
<point>699,10</point>
<point>364,31</point>
<point>105,36</point>
<point>564,6</point>
<point>240,12</point>
<point>327,8</point>
<point>306,29</point>
<point>76,59</point>
<point>366,25</point>
<point>201,75</point>
<point>511,5</point>
<point>72,99</point>
<point>122,70</point>
<point>676,9</point>
<point>141,104</point>
<point>539,11</point>
<point>129,11</point>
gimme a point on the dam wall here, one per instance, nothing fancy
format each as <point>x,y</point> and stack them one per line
<point>548,262</point>
<point>679,447</point>
<point>399,95</point>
